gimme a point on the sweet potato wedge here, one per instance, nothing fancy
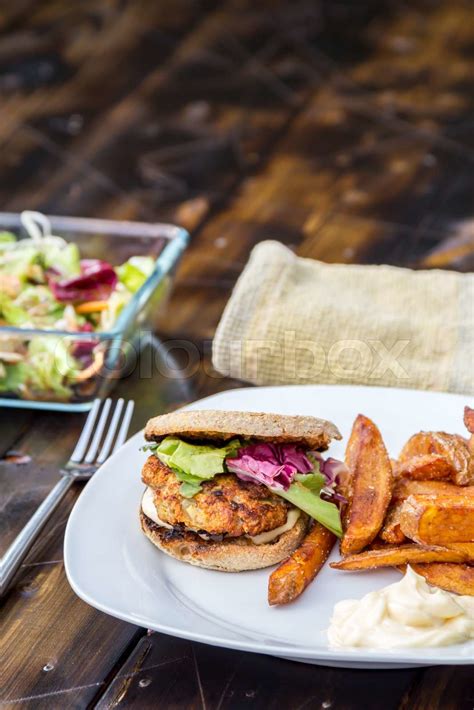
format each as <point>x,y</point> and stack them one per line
<point>435,520</point>
<point>469,419</point>
<point>469,424</point>
<point>393,556</point>
<point>391,531</point>
<point>457,578</point>
<point>425,468</point>
<point>292,576</point>
<point>370,485</point>
<point>405,487</point>
<point>466,547</point>
<point>452,447</point>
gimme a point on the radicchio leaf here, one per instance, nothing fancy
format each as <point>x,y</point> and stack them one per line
<point>274,465</point>
<point>83,349</point>
<point>333,470</point>
<point>96,282</point>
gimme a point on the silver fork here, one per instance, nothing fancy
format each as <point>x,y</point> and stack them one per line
<point>83,463</point>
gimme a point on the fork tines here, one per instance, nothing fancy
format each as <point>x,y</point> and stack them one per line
<point>107,419</point>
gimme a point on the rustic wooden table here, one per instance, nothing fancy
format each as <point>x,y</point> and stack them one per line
<point>344,129</point>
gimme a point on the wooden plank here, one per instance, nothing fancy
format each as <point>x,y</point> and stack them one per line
<point>43,622</point>
<point>418,72</point>
<point>166,672</point>
<point>157,673</point>
<point>62,60</point>
<point>49,639</point>
<point>12,15</point>
<point>176,145</point>
<point>51,642</point>
<point>445,688</point>
<point>12,428</point>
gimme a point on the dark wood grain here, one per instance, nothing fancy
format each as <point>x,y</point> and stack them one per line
<point>230,679</point>
<point>344,130</point>
<point>42,622</point>
<point>166,672</point>
<point>177,144</point>
<point>441,689</point>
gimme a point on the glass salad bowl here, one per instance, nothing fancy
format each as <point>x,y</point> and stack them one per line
<point>78,300</point>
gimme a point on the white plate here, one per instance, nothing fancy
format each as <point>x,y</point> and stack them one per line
<point>112,566</point>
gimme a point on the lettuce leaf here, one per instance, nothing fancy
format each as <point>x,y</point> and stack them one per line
<point>11,313</point>
<point>194,463</point>
<point>17,262</point>
<point>50,365</point>
<point>64,259</point>
<point>134,272</point>
<point>6,238</point>
<point>190,485</point>
<point>39,303</point>
<point>315,481</point>
<point>13,377</point>
<point>115,304</point>
<point>194,459</point>
<point>307,499</point>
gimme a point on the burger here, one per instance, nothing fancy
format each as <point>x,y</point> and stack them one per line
<point>236,491</point>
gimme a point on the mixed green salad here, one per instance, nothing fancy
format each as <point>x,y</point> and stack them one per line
<point>46,285</point>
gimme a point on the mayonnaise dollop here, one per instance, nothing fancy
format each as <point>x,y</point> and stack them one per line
<point>406,614</point>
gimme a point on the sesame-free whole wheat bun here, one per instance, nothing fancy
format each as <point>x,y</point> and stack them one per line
<point>220,425</point>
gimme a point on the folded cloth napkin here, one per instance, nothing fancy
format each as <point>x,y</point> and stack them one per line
<point>293,321</point>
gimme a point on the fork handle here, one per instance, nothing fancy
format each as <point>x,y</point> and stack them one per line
<point>23,542</point>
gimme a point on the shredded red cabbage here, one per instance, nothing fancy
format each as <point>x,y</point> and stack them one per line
<point>274,465</point>
<point>332,469</point>
<point>96,282</point>
<point>83,349</point>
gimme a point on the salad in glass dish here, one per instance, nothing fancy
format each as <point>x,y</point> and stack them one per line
<point>59,312</point>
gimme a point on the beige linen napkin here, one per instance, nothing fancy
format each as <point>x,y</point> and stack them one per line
<point>293,321</point>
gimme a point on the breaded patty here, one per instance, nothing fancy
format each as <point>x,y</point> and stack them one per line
<point>226,505</point>
<point>232,554</point>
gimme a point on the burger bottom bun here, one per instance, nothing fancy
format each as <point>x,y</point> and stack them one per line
<point>231,554</point>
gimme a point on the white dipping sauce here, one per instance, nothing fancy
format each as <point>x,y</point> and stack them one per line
<point>406,614</point>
